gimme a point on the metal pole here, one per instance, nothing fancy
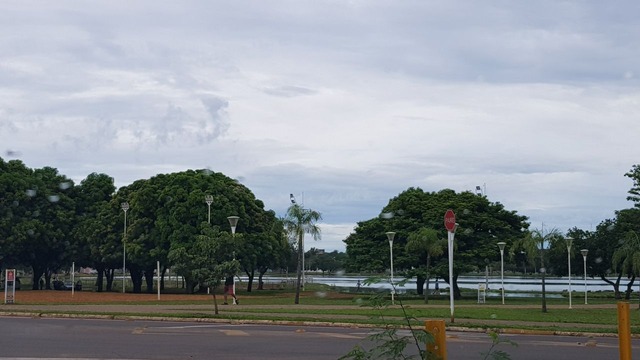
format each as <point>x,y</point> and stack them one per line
<point>501,245</point>
<point>158,280</point>
<point>585,280</point>
<point>451,236</point>
<point>569,243</point>
<point>569,262</point>
<point>125,207</point>
<point>502,273</point>
<point>390,236</point>
<point>73,278</point>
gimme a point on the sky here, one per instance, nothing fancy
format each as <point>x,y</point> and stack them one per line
<point>344,104</point>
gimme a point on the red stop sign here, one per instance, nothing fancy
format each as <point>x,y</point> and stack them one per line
<point>450,220</point>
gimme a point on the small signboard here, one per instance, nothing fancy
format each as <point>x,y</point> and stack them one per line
<point>9,286</point>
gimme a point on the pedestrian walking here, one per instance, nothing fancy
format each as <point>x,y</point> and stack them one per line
<point>228,290</point>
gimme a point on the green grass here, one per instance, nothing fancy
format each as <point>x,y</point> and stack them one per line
<point>322,304</point>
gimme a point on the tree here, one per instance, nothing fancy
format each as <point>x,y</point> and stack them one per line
<point>41,231</point>
<point>536,242</point>
<point>205,260</point>
<point>300,221</point>
<point>168,210</point>
<point>425,244</point>
<point>93,233</point>
<point>482,225</point>
<point>634,192</point>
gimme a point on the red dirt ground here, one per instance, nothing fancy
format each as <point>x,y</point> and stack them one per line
<point>64,297</point>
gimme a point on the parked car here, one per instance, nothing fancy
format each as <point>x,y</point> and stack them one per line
<point>67,285</point>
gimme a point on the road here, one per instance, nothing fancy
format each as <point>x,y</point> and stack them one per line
<point>50,338</point>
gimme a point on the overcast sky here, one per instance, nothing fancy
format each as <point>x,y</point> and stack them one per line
<point>345,104</point>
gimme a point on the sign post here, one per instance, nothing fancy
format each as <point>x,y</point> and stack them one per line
<point>9,286</point>
<point>450,225</point>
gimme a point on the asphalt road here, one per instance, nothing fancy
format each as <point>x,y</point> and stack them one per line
<point>51,338</point>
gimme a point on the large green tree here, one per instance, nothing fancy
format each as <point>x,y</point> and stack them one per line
<point>481,225</point>
<point>94,231</point>
<point>168,210</point>
<point>41,234</point>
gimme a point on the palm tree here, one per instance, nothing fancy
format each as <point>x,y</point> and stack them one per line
<point>627,258</point>
<point>535,242</point>
<point>425,242</point>
<point>300,221</point>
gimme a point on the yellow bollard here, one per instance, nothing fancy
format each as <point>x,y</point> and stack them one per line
<point>437,329</point>
<point>624,330</point>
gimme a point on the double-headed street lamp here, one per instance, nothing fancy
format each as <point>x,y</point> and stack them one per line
<point>584,253</point>
<point>501,245</point>
<point>390,236</point>
<point>569,243</point>
<point>125,207</point>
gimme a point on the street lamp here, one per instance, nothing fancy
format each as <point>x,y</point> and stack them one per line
<point>390,236</point>
<point>209,200</point>
<point>569,243</point>
<point>501,245</point>
<point>233,221</point>
<point>584,253</point>
<point>524,262</point>
<point>125,207</point>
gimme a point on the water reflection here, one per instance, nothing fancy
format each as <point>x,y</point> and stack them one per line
<point>513,284</point>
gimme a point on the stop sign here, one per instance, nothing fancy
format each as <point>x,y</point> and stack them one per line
<point>450,220</point>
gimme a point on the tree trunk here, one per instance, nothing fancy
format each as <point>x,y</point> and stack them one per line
<point>99,278</point>
<point>299,270</point>
<point>148,277</point>
<point>251,276</point>
<point>110,274</point>
<point>627,293</point>
<point>420,284</point>
<point>543,270</point>
<point>426,291</point>
<point>38,272</point>
<point>457,295</point>
<point>616,285</point>
<point>260,275</point>
<point>136,279</point>
<point>164,271</point>
<point>215,300</point>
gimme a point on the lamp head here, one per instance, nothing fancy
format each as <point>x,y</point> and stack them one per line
<point>569,242</point>
<point>233,221</point>
<point>390,236</point>
<point>125,206</point>
<point>584,252</point>
<point>501,245</point>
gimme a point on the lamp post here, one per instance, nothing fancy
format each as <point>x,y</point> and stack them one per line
<point>569,243</point>
<point>125,207</point>
<point>209,200</point>
<point>390,236</point>
<point>524,262</point>
<point>233,222</point>
<point>501,245</point>
<point>584,253</point>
